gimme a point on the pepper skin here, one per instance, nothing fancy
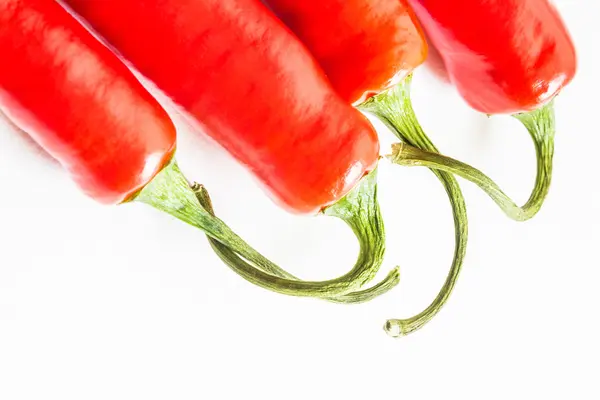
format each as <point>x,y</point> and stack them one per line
<point>252,85</point>
<point>504,56</point>
<point>364,46</point>
<point>79,101</point>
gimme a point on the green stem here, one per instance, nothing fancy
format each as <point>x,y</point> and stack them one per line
<point>238,265</point>
<point>394,108</point>
<point>170,192</point>
<point>541,126</point>
<point>407,155</point>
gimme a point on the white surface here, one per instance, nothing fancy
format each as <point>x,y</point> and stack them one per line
<point>125,303</point>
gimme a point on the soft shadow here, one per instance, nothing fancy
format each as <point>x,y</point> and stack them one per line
<point>27,140</point>
<point>435,63</point>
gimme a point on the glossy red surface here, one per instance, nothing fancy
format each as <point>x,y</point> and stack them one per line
<point>364,46</point>
<point>252,85</point>
<point>504,56</point>
<point>79,102</point>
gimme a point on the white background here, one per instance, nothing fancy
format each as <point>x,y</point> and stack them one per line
<point>125,303</point>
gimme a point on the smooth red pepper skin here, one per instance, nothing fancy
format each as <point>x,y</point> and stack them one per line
<point>79,101</point>
<point>504,56</point>
<point>364,46</point>
<point>252,85</point>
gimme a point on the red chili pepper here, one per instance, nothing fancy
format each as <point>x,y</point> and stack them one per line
<point>367,47</point>
<point>364,46</point>
<point>80,102</point>
<point>77,100</point>
<point>253,87</point>
<point>504,56</point>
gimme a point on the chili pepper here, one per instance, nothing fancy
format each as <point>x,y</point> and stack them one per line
<point>504,56</point>
<point>52,76</point>
<point>507,57</point>
<point>367,47</point>
<point>82,105</point>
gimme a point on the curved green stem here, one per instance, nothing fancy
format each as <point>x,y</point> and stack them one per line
<point>170,192</point>
<point>406,155</point>
<point>394,108</point>
<point>541,127</point>
<point>241,267</point>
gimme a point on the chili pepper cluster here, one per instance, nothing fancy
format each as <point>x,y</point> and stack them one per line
<point>284,89</point>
